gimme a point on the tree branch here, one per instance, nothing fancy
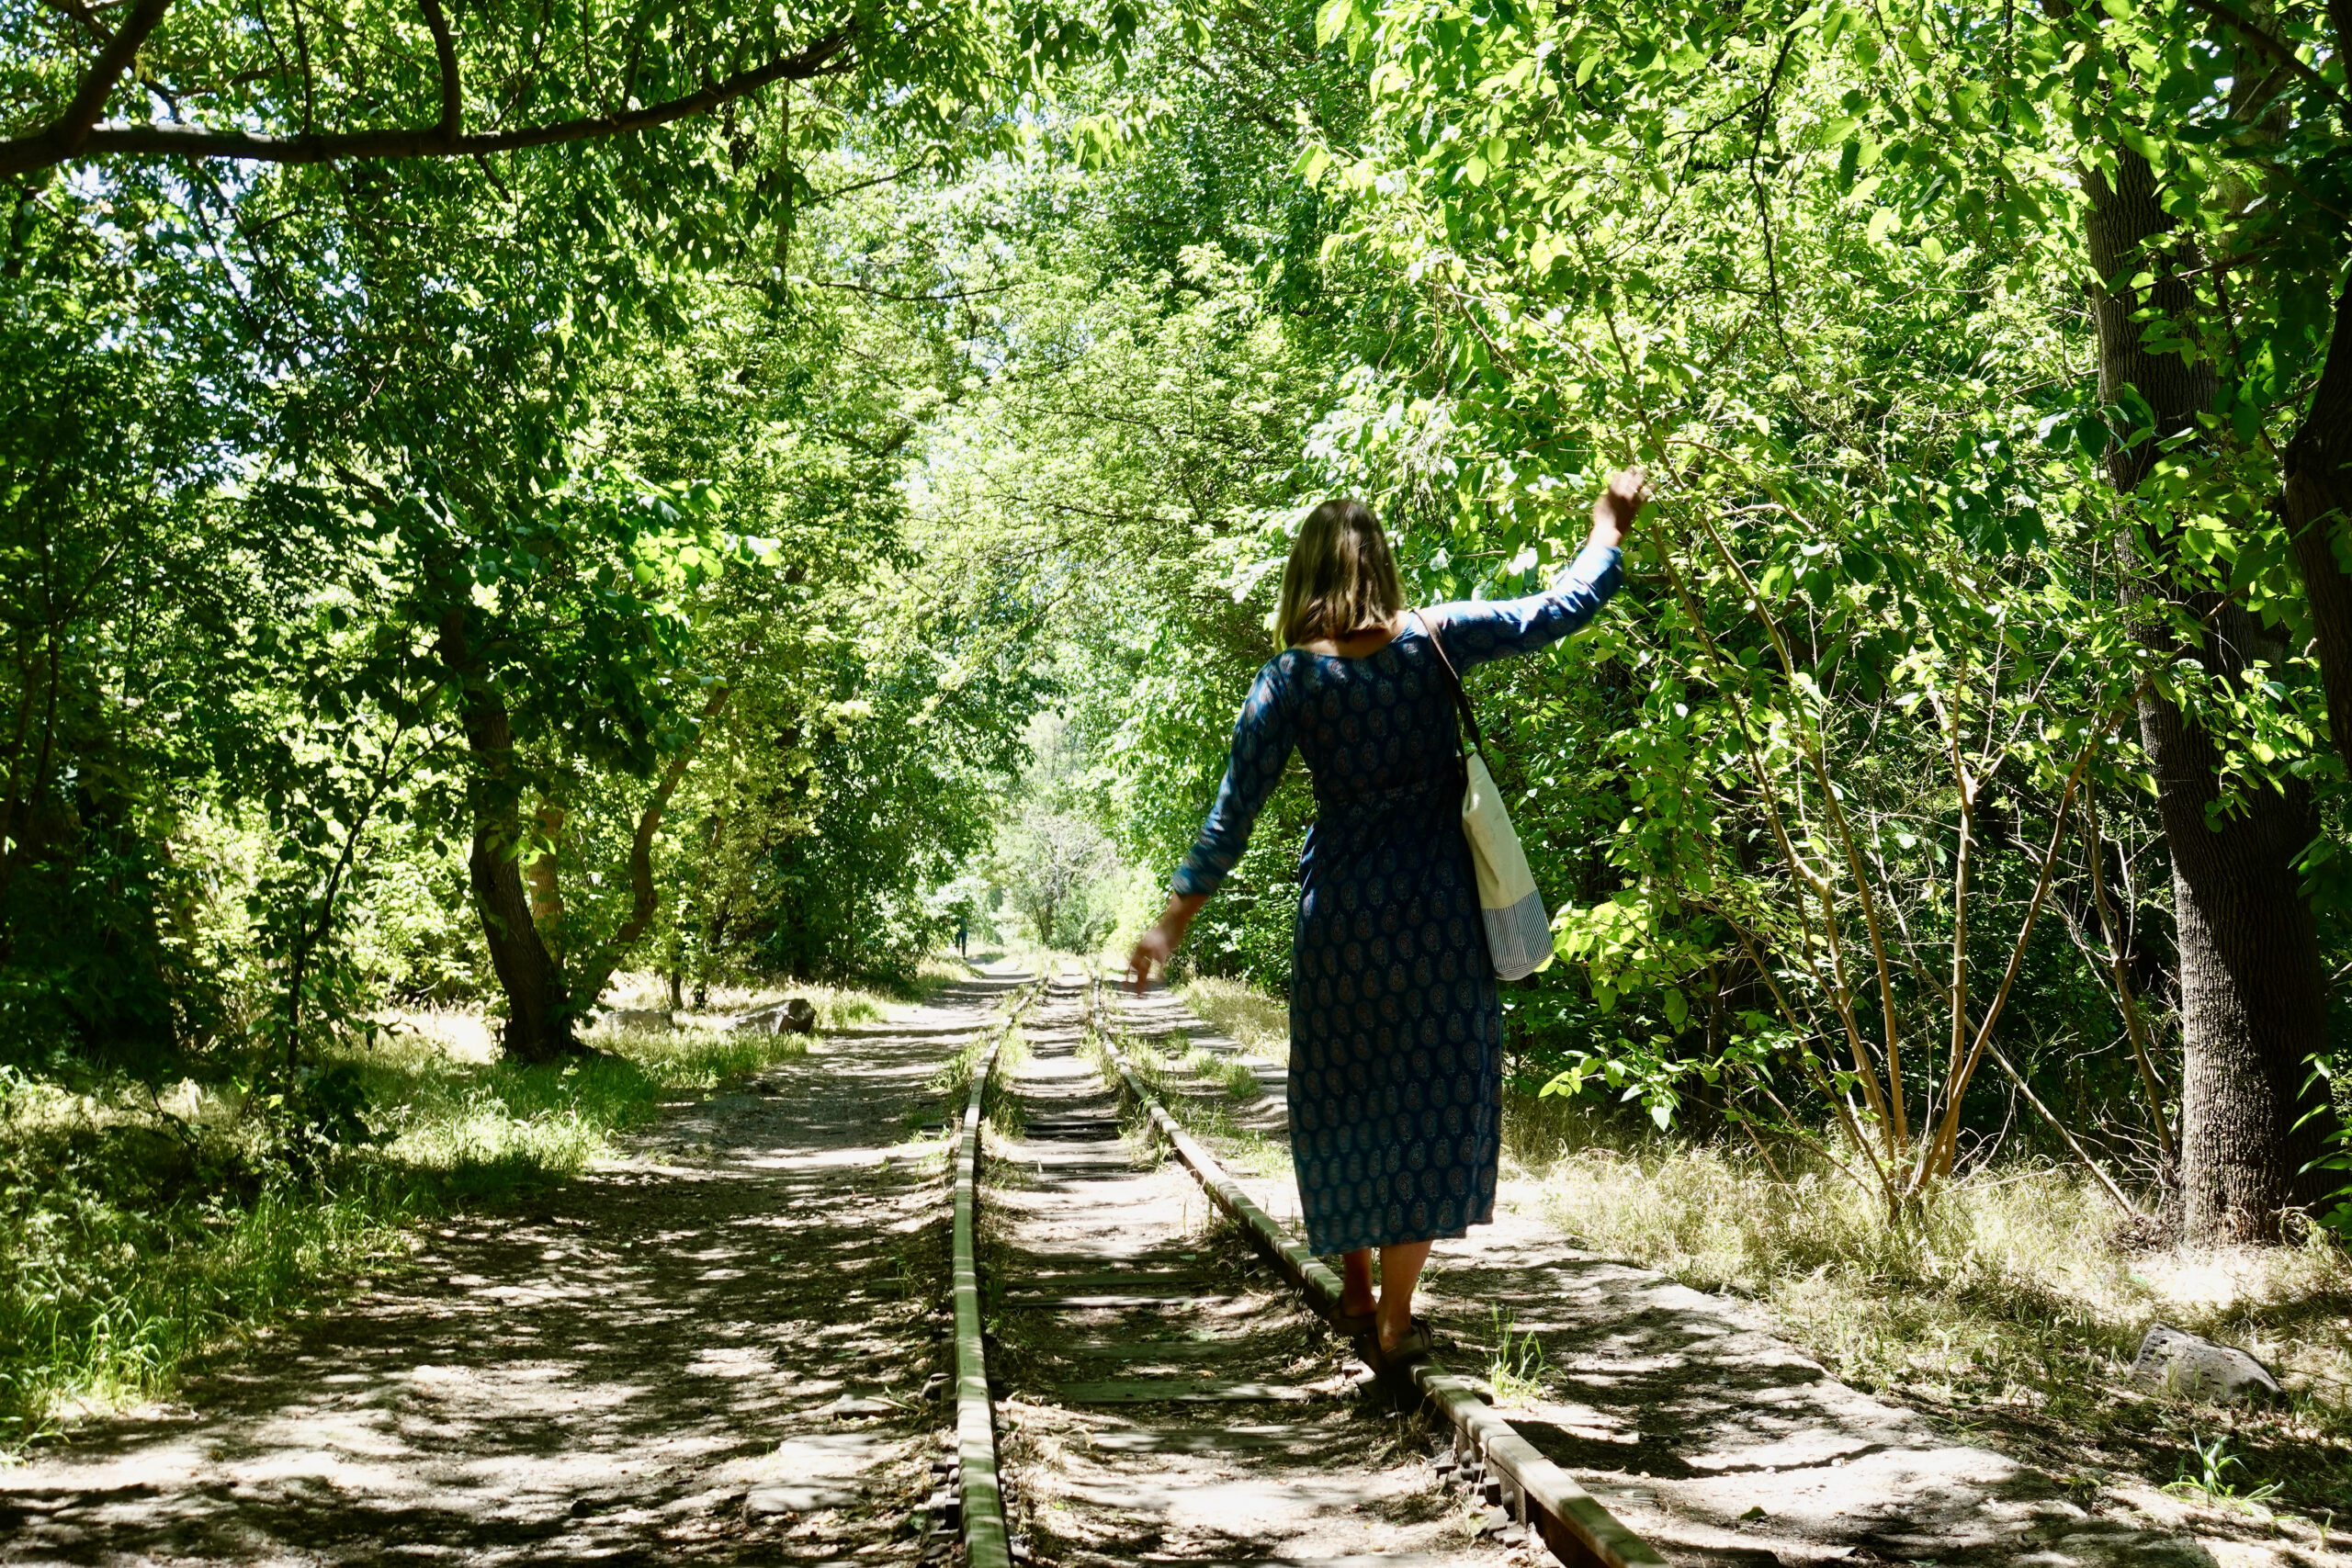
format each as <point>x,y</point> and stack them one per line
<point>2275,48</point>
<point>640,858</point>
<point>446,50</point>
<point>923,299</point>
<point>67,134</point>
<point>80,13</point>
<point>45,149</point>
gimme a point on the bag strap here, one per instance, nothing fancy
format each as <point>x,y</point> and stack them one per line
<point>1453,679</point>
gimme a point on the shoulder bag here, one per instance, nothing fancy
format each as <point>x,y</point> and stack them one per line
<point>1519,934</point>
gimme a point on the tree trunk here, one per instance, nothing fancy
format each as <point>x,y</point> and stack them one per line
<point>538,1011</point>
<point>2316,501</point>
<point>597,972</point>
<point>547,890</point>
<point>2253,988</point>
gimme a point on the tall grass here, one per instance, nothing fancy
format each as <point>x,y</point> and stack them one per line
<point>101,1303</point>
<point>1259,1023</point>
<point>135,1232</point>
<point>2015,1287</point>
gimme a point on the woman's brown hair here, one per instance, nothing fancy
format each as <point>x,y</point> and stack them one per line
<point>1340,577</point>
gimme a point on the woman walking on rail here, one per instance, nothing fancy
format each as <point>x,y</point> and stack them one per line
<point>1394,1026</point>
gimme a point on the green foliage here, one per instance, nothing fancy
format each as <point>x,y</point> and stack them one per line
<point>655,549</point>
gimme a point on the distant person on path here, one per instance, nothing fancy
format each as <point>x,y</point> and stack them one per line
<point>1396,1094</point>
<point>963,935</point>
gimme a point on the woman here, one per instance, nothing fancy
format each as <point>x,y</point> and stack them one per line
<point>1395,1092</point>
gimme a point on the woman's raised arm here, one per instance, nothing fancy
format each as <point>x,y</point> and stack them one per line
<point>1478,631</point>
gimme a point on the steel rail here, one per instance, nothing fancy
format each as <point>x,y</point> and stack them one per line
<point>1537,1494</point>
<point>987,1542</point>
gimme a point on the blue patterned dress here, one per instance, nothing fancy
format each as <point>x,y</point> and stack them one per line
<point>1395,1028</point>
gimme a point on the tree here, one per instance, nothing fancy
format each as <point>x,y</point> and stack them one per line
<point>1624,222</point>
<point>1048,863</point>
<point>282,88</point>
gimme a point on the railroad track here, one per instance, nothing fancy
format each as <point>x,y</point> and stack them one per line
<point>1143,1372</point>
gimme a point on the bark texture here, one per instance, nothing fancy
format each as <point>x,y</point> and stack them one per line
<point>538,1010</point>
<point>2316,501</point>
<point>2253,988</point>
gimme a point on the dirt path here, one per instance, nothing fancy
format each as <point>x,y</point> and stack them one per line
<point>652,1366</point>
<point>1696,1425</point>
<point>1168,1397</point>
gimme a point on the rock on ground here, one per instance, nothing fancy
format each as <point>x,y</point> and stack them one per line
<point>2174,1362</point>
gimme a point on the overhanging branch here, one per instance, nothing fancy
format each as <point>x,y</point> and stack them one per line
<point>71,131</point>
<point>2270,44</point>
<point>444,51</point>
<point>51,146</point>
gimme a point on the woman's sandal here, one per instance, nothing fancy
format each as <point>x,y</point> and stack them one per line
<point>1415,1345</point>
<point>1354,1324</point>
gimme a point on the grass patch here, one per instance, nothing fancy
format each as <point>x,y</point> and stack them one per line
<point>2012,1302</point>
<point>837,1007</point>
<point>1001,1108</point>
<point>126,1249</point>
<point>1174,1080</point>
<point>1259,1023</point>
<point>136,1232</point>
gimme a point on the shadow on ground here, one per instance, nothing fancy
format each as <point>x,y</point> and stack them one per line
<point>713,1353</point>
<point>1722,1444</point>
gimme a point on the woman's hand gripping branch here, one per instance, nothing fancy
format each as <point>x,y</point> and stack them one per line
<point>1616,508</point>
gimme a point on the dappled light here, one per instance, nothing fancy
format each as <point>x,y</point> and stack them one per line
<point>1698,656</point>
<point>624,1360</point>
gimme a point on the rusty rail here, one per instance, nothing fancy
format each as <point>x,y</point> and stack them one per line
<point>1535,1493</point>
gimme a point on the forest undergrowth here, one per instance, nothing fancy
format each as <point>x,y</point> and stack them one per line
<point>138,1232</point>
<point>2009,1306</point>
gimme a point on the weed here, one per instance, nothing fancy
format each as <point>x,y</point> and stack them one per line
<point>2212,1483</point>
<point>950,1086</point>
<point>1516,1365</point>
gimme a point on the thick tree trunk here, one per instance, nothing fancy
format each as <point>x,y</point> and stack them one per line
<point>2253,988</point>
<point>2315,502</point>
<point>538,1012</point>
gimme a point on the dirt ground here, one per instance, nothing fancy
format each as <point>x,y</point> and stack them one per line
<point>711,1352</point>
<point>715,1351</point>
<point>1167,1397</point>
<point>1690,1420</point>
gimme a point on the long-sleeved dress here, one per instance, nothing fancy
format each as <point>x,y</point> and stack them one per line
<point>1395,1093</point>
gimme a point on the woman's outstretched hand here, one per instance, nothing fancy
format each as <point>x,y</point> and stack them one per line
<point>1157,945</point>
<point>1614,512</point>
<point>1153,949</point>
